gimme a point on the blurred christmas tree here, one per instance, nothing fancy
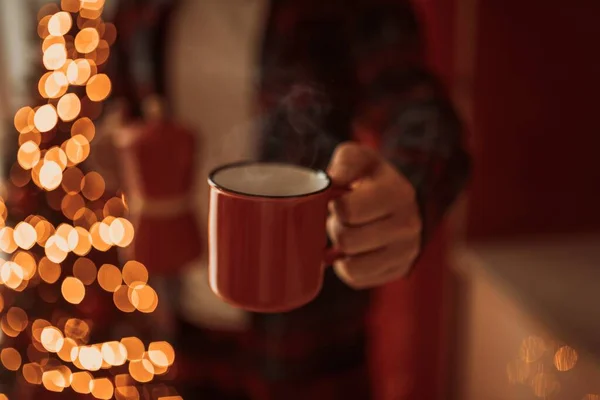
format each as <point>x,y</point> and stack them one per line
<point>74,321</point>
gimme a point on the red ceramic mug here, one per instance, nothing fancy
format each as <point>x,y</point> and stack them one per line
<point>267,237</point>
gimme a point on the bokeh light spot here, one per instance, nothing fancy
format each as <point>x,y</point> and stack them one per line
<point>102,388</point>
<point>73,290</point>
<point>45,118</point>
<point>28,155</point>
<point>25,235</point>
<point>11,359</point>
<point>87,40</point>
<point>52,339</point>
<point>98,87</point>
<point>24,120</point>
<point>60,24</point>
<point>49,271</point>
<point>81,382</point>
<point>69,107</point>
<point>55,56</point>
<point>109,277</point>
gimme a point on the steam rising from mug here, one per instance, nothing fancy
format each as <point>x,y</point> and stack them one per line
<point>295,127</point>
<point>273,180</point>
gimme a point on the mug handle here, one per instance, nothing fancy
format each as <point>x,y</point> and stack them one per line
<point>332,254</point>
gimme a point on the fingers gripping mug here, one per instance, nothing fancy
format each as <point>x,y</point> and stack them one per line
<point>267,238</point>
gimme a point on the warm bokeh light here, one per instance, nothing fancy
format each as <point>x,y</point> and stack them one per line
<point>38,327</point>
<point>32,373</point>
<point>60,24</point>
<point>114,353</point>
<point>7,240</point>
<point>6,329</point>
<point>115,207</point>
<point>70,5</point>
<point>101,54</point>
<point>54,381</point>
<point>18,176</point>
<point>27,263</point>
<point>121,299</point>
<point>142,370</point>
<point>545,384</point>
<point>161,354</point>
<point>69,107</point>
<point>90,358</point>
<point>45,118</point>
<point>102,388</point>
<point>143,298</point>
<point>80,242</point>
<point>81,382</point>
<point>77,329</point>
<point>52,339</point>
<point>84,269</point>
<point>17,319</point>
<point>532,348</point>
<point>53,85</point>
<point>94,5</point>
<point>135,348</point>
<point>63,231</point>
<point>50,40</point>
<point>24,120</point>
<point>66,351</point>
<point>79,72</point>
<point>50,175</point>
<point>57,249</point>
<point>110,33</point>
<point>73,290</point>
<point>11,359</point>
<point>85,218</point>
<point>28,155</point>
<point>93,186</point>
<point>104,231</point>
<point>44,230</point>
<point>109,277</point>
<point>135,273</point>
<point>42,29</point>
<point>87,40</point>
<point>71,203</point>
<point>127,393</point>
<point>32,136</point>
<point>565,358</point>
<point>84,126</point>
<point>77,149</point>
<point>71,182</point>
<point>98,87</point>
<point>49,271</point>
<point>25,235</point>
<point>12,274</point>
<point>57,155</point>
<point>97,240</point>
<point>121,232</point>
<point>55,56</point>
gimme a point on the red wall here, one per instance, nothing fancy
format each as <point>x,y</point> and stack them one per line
<point>536,125</point>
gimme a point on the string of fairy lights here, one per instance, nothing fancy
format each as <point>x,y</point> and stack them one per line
<point>61,357</point>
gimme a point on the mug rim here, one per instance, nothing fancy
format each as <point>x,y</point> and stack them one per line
<point>213,183</point>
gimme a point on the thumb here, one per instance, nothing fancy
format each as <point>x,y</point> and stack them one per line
<point>350,162</point>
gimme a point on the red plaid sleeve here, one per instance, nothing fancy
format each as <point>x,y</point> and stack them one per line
<point>405,112</point>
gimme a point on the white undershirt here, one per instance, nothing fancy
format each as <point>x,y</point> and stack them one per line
<point>212,73</point>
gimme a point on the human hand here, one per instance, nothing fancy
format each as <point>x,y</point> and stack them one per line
<point>377,225</point>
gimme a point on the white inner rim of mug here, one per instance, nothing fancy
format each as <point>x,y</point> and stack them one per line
<point>270,179</point>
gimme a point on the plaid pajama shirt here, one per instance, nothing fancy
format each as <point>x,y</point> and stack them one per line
<point>330,71</point>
